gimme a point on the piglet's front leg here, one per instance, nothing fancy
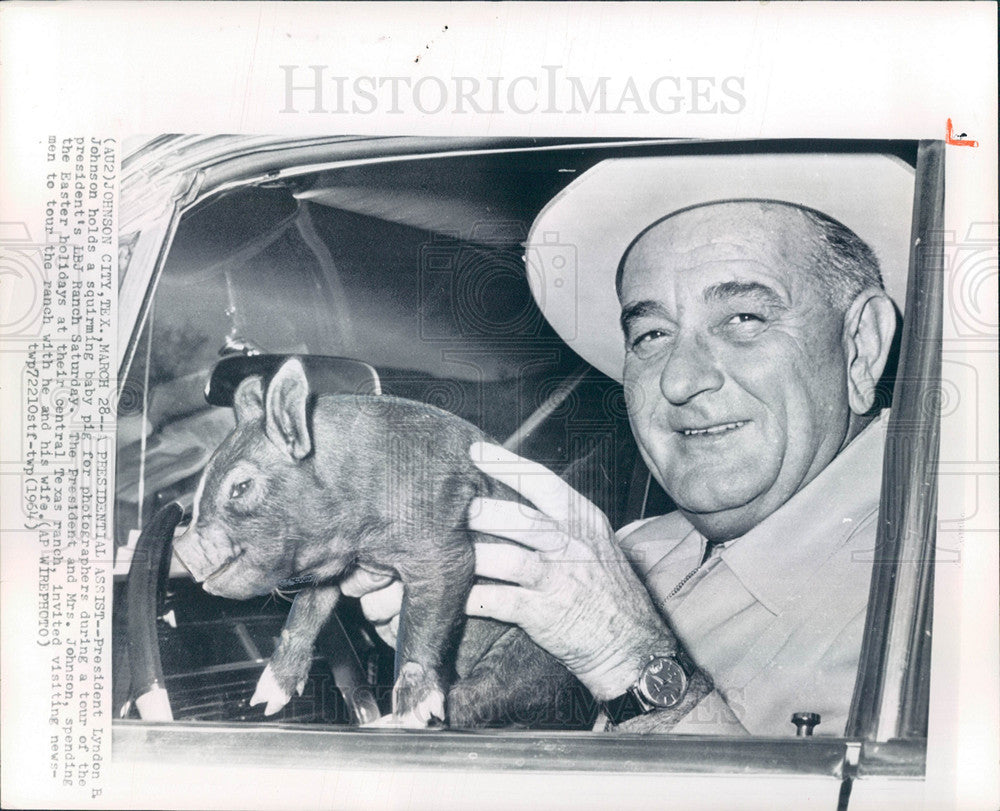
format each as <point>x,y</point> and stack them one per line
<point>432,612</point>
<point>290,663</point>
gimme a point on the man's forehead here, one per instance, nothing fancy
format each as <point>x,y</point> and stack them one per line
<point>739,231</point>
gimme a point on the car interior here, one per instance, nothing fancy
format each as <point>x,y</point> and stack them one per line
<point>405,277</point>
<point>417,271</point>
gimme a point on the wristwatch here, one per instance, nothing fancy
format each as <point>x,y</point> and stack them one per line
<point>662,684</point>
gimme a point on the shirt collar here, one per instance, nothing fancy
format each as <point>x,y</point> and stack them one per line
<point>776,559</point>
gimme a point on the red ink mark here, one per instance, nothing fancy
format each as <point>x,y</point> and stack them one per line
<point>950,139</point>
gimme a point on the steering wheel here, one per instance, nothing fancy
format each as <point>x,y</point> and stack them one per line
<point>145,594</point>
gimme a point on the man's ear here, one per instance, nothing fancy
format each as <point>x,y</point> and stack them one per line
<point>285,409</point>
<point>248,400</point>
<point>869,327</point>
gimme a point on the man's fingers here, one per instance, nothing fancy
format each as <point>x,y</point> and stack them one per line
<point>382,605</point>
<point>535,482</point>
<point>504,603</point>
<point>504,561</point>
<point>389,631</point>
<point>517,522</point>
<point>361,581</point>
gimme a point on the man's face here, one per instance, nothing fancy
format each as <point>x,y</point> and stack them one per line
<point>735,367</point>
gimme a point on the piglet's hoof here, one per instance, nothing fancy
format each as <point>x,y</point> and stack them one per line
<point>390,721</point>
<point>417,698</point>
<point>269,691</point>
<point>382,722</point>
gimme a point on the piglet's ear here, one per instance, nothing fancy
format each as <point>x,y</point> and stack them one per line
<point>285,409</point>
<point>248,401</point>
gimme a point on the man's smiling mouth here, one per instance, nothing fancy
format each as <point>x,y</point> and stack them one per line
<point>713,430</point>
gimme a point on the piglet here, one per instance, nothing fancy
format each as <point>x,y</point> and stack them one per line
<point>305,489</point>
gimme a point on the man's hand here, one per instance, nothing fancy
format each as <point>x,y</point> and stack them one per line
<point>381,597</point>
<point>566,581</point>
<point>571,587</point>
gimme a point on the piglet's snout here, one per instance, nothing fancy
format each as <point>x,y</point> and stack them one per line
<point>190,551</point>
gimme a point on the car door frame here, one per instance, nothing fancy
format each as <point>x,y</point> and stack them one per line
<point>886,733</point>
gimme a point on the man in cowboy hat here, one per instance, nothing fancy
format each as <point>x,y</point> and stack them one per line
<point>756,325</point>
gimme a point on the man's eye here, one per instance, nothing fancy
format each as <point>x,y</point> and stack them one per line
<point>645,343</point>
<point>744,318</point>
<point>743,326</point>
<point>240,488</point>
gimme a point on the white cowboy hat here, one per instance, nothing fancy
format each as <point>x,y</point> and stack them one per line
<point>577,241</point>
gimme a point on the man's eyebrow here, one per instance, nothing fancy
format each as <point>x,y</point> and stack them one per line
<point>727,290</point>
<point>639,309</point>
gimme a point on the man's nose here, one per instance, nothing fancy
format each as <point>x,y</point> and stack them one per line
<point>690,370</point>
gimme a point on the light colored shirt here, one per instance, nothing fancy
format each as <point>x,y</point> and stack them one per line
<point>776,616</point>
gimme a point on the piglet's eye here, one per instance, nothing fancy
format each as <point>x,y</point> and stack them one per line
<point>240,488</point>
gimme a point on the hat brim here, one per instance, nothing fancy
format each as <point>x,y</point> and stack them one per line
<point>576,242</point>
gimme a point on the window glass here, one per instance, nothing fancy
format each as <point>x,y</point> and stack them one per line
<point>343,265</point>
<point>415,268</point>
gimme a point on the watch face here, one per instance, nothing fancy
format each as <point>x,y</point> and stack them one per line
<point>663,682</point>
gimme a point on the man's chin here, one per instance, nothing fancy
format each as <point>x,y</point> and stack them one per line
<point>722,493</point>
<point>722,526</point>
<point>723,518</point>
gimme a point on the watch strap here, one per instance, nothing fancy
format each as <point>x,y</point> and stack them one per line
<point>625,707</point>
<point>686,662</point>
